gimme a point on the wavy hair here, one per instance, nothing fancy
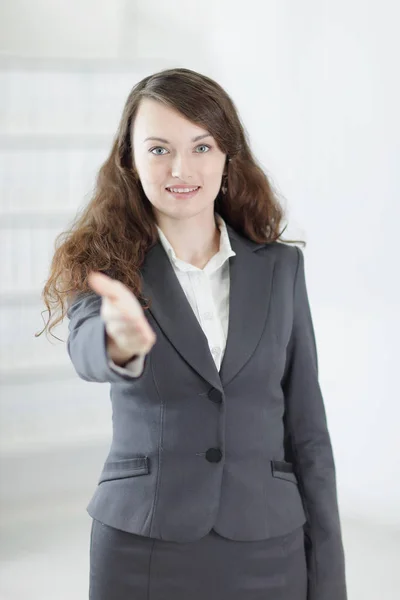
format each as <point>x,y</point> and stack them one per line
<point>115,230</point>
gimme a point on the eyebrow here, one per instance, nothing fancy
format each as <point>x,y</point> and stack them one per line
<point>195,139</point>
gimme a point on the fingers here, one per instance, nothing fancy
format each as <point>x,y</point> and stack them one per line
<point>116,293</point>
<point>125,320</point>
<point>103,285</point>
<point>127,336</point>
<point>111,313</point>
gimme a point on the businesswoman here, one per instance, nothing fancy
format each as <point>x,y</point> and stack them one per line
<point>180,293</point>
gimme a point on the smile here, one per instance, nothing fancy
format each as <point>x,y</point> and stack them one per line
<point>183,193</point>
<point>182,190</point>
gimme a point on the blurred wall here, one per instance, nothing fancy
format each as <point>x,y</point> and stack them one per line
<point>314,82</point>
<point>61,28</point>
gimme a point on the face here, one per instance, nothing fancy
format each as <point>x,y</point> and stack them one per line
<point>172,152</point>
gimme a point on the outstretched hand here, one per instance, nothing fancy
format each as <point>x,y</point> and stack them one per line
<point>124,317</point>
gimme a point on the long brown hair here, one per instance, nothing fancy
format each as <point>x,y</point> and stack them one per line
<point>117,227</point>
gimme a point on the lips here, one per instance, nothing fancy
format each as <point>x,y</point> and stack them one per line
<point>182,189</point>
<point>183,193</point>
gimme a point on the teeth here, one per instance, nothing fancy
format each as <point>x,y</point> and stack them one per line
<point>182,190</point>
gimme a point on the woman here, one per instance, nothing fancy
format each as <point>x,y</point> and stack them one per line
<point>220,480</point>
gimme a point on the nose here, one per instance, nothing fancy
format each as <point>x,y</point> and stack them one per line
<point>181,168</point>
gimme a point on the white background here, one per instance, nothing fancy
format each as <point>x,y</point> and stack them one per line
<point>316,83</point>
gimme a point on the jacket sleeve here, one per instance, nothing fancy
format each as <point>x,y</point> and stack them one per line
<point>309,449</point>
<point>135,366</point>
<point>86,344</point>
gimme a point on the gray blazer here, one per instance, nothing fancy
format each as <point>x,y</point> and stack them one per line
<point>245,450</point>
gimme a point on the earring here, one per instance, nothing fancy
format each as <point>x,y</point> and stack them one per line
<point>224,186</point>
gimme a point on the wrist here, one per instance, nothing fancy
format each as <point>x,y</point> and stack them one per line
<point>117,355</point>
<point>128,361</point>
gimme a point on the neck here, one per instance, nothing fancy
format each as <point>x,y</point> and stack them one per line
<point>194,240</point>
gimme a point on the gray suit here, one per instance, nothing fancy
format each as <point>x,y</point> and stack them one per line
<point>245,451</point>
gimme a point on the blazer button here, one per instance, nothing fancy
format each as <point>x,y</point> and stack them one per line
<point>215,396</point>
<point>213,455</point>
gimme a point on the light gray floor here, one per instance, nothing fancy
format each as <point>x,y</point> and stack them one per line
<point>47,558</point>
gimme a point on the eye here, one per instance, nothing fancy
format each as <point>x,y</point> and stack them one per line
<point>152,150</point>
<point>207,148</point>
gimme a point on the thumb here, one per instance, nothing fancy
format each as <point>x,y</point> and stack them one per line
<point>116,292</point>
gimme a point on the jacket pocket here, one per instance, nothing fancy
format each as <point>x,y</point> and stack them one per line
<point>122,469</point>
<point>283,470</point>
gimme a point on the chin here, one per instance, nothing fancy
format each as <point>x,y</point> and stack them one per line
<point>185,212</point>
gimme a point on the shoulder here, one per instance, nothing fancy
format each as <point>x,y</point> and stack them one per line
<point>286,256</point>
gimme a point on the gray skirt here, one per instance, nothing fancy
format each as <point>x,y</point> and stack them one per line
<point>126,566</point>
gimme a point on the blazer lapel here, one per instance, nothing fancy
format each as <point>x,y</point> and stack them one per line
<point>250,290</point>
<point>173,313</point>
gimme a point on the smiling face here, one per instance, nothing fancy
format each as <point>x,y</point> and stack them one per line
<point>171,152</point>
